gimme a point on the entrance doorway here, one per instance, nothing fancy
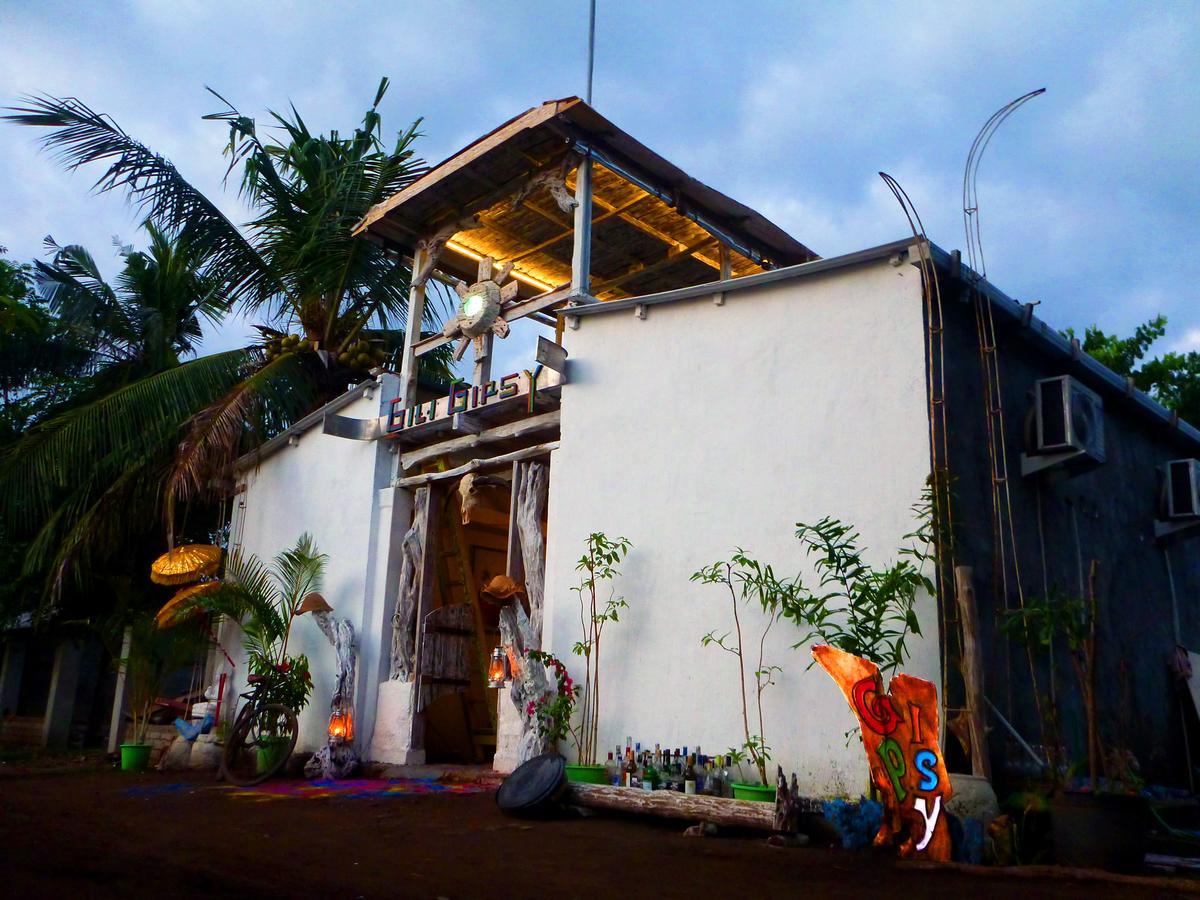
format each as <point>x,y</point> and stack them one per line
<point>471,548</point>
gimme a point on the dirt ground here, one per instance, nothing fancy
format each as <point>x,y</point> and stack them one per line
<point>82,832</point>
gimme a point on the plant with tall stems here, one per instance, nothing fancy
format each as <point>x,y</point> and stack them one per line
<point>599,565</point>
<point>265,601</point>
<point>748,580</point>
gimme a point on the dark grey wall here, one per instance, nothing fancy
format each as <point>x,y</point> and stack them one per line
<point>1107,514</point>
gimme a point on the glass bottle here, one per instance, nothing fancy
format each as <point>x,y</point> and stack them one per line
<point>629,770</point>
<point>727,777</point>
<point>649,773</point>
<point>611,772</point>
<point>712,778</point>
<point>689,776</point>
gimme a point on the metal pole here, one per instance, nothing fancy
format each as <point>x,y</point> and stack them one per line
<point>591,56</point>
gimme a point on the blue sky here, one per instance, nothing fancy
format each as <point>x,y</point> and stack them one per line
<point>1090,195</point>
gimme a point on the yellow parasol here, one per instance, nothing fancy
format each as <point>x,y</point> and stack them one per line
<point>185,564</point>
<point>170,613</point>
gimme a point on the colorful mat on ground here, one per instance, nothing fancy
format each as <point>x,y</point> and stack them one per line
<point>354,788</point>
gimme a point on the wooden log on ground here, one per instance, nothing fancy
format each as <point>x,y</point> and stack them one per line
<point>672,805</point>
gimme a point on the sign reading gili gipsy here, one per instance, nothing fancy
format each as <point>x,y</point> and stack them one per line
<point>464,397</point>
<point>899,734</point>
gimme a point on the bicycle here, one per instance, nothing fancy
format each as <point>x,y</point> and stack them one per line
<point>262,738</point>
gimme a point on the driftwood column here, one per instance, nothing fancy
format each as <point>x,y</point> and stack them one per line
<point>531,487</point>
<point>520,633</point>
<point>972,671</point>
<point>416,582</point>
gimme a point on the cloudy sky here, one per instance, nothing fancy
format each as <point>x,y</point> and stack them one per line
<point>1090,194</point>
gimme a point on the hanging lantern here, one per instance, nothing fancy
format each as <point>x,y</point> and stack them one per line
<point>341,723</point>
<point>498,669</point>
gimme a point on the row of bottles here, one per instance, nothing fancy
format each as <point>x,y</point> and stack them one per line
<point>670,770</point>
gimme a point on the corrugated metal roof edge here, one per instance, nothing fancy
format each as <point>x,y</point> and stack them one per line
<point>258,454</point>
<point>1048,338</point>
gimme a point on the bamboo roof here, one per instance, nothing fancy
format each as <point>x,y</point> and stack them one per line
<point>654,226</point>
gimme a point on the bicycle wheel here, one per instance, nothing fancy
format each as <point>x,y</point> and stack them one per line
<point>259,745</point>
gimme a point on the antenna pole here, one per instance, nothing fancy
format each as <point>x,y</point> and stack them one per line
<point>591,57</point>
<point>581,253</point>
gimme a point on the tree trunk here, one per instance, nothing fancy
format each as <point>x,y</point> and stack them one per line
<point>532,489</point>
<point>972,671</point>
<point>412,552</point>
<point>530,682</point>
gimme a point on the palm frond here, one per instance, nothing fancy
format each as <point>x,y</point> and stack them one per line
<point>80,136</point>
<point>300,570</point>
<point>130,423</point>
<point>278,390</point>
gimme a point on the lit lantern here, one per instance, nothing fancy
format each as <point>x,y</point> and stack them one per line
<point>498,669</point>
<point>341,724</point>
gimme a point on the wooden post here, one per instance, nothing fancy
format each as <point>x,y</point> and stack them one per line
<point>581,254</point>
<point>426,575</point>
<point>117,719</point>
<point>972,671</point>
<point>532,490</point>
<point>412,332</point>
<point>483,360</point>
<point>515,566</point>
<point>725,275</point>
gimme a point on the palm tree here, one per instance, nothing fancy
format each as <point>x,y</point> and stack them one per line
<point>295,264</point>
<point>72,483</point>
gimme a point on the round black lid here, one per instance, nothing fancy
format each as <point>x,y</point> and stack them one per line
<point>533,786</point>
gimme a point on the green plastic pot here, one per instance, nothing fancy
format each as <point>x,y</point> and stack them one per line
<point>764,793</point>
<point>270,749</point>
<point>586,774</point>
<point>135,757</point>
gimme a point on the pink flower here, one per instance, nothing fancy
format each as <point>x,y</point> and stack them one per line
<point>530,708</point>
<point>568,684</point>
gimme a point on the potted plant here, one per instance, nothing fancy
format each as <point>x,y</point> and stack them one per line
<point>554,712</point>
<point>748,580</point>
<point>266,601</point>
<point>153,655</point>
<point>1104,825</point>
<point>599,565</point>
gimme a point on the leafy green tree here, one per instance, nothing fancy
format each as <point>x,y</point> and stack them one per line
<point>1172,379</point>
<point>154,426</point>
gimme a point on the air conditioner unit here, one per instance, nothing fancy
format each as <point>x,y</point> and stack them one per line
<point>1181,489</point>
<point>1068,418</point>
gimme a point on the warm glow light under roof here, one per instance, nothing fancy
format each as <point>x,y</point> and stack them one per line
<point>520,276</point>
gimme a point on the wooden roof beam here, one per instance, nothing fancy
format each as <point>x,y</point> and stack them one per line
<point>669,260</point>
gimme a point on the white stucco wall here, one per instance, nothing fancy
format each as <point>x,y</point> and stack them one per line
<point>707,427</point>
<point>335,489</point>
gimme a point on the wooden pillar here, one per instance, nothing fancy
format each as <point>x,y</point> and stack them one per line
<point>482,373</point>
<point>60,705</point>
<point>116,721</point>
<point>11,673</point>
<point>426,575</point>
<point>515,566</point>
<point>972,670</point>
<point>726,273</point>
<point>412,333</point>
<point>581,254</point>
